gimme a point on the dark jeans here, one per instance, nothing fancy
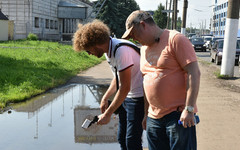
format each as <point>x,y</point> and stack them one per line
<point>130,124</point>
<point>166,134</point>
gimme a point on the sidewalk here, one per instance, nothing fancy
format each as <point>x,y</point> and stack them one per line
<point>218,103</point>
<point>99,74</point>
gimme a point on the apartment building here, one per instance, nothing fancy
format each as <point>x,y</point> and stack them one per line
<point>218,21</point>
<point>49,19</point>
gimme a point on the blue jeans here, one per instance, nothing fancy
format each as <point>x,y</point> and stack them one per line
<point>130,124</point>
<point>166,134</point>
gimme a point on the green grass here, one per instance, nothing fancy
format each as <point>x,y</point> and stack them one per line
<point>28,68</point>
<point>220,76</point>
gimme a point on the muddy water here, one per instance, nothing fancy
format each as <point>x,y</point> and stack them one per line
<point>52,121</point>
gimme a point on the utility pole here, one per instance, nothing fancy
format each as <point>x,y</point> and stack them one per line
<point>174,14</point>
<point>230,39</point>
<point>185,6</point>
<point>169,15</point>
<point>166,4</point>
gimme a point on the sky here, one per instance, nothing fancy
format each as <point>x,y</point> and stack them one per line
<point>198,12</point>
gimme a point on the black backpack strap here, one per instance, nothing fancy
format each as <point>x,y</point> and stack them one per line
<point>137,49</point>
<point>114,53</point>
<point>116,75</point>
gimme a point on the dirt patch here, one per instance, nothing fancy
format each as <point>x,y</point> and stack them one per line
<point>218,103</point>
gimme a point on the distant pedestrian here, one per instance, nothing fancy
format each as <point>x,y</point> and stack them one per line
<point>95,39</point>
<point>171,83</point>
<point>114,35</point>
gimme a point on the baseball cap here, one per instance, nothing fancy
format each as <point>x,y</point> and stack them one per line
<point>133,19</point>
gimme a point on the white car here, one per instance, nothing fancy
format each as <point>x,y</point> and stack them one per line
<point>207,40</point>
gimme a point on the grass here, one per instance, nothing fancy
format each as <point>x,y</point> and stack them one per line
<point>28,68</point>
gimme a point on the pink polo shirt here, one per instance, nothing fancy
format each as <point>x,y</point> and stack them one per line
<point>164,78</point>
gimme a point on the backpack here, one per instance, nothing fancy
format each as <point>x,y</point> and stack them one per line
<point>117,82</point>
<point>137,49</point>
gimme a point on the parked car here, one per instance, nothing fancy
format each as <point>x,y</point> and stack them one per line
<point>207,40</point>
<point>190,35</point>
<point>198,44</point>
<point>213,41</point>
<point>217,51</point>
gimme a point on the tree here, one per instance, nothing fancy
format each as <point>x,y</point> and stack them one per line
<point>191,30</point>
<point>159,17</point>
<point>179,23</point>
<point>115,12</point>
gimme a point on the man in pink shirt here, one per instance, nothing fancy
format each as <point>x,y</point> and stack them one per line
<point>126,86</point>
<point>171,83</point>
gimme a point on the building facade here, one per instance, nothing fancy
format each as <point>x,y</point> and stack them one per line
<point>218,21</point>
<point>49,19</point>
<point>3,27</point>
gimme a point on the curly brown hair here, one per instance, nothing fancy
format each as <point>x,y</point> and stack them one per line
<point>90,34</point>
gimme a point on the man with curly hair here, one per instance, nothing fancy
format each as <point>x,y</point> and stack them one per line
<point>94,38</point>
<point>171,79</point>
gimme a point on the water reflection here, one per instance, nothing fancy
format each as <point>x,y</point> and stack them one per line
<point>52,121</point>
<point>95,133</point>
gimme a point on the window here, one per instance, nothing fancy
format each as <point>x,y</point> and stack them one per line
<point>51,24</point>
<point>47,24</point>
<point>56,25</point>
<point>36,22</point>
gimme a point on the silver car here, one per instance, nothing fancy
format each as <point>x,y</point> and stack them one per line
<point>217,51</point>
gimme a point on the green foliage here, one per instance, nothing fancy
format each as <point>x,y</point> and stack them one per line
<point>191,30</point>
<point>159,17</point>
<point>32,37</point>
<point>115,12</point>
<point>29,68</point>
<point>179,24</point>
<point>133,41</point>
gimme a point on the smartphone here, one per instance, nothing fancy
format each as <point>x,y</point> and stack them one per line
<point>196,120</point>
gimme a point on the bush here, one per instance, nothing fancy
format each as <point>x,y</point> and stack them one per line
<point>32,37</point>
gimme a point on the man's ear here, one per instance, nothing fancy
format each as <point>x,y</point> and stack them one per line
<point>143,24</point>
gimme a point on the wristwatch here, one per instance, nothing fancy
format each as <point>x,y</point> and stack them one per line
<point>190,109</point>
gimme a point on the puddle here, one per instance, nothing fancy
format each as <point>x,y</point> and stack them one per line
<point>52,121</point>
